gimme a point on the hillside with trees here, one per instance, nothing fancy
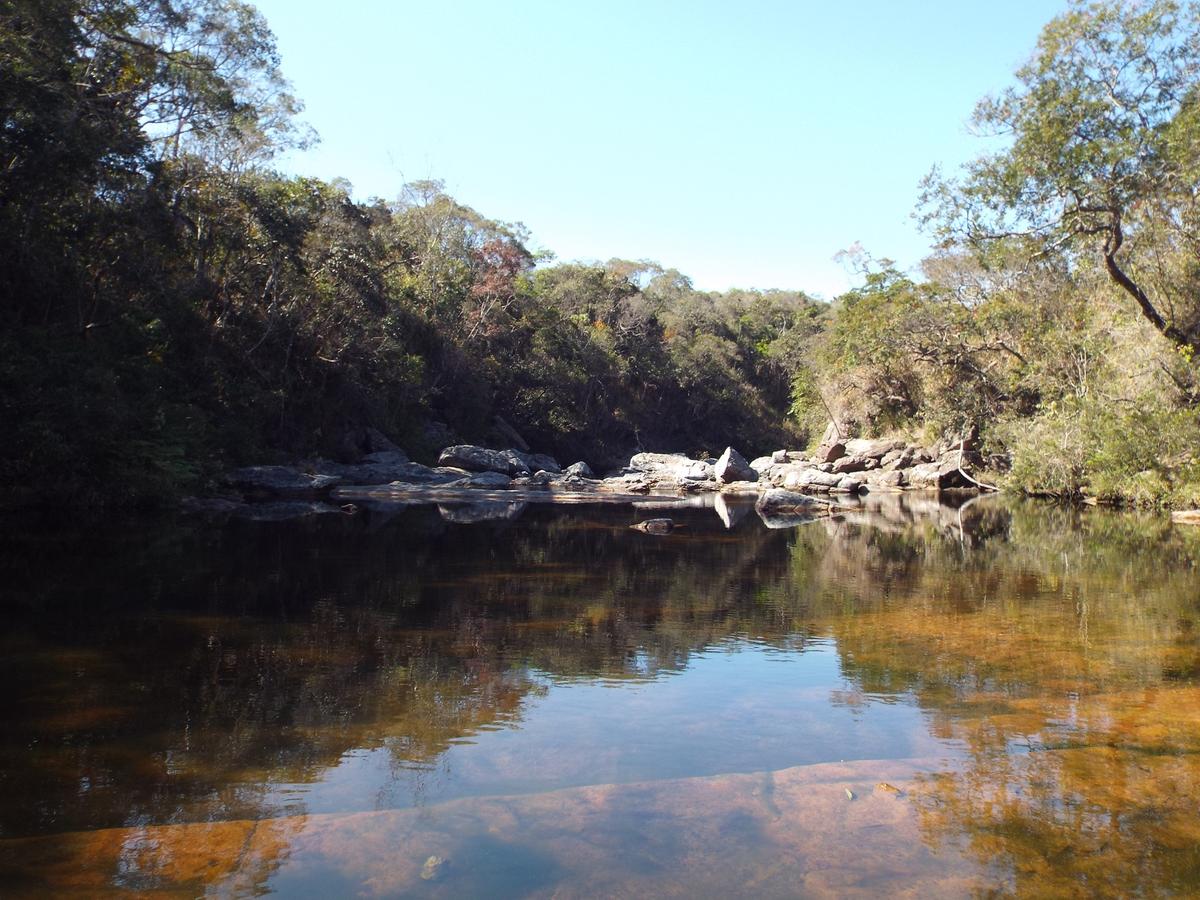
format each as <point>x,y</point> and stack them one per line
<point>176,306</point>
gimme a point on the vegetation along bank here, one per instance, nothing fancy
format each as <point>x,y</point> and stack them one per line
<point>177,308</point>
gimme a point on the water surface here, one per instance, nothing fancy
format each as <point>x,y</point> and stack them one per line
<point>912,699</point>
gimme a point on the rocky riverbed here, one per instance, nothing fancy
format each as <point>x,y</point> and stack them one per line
<point>467,474</point>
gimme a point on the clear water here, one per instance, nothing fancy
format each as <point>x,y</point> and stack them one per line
<point>912,699</point>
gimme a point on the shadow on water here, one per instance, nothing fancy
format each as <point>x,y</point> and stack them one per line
<point>548,699</point>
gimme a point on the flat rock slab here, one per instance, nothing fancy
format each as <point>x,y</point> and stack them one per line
<point>854,829</point>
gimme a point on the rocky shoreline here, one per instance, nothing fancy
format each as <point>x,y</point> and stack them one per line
<point>783,482</point>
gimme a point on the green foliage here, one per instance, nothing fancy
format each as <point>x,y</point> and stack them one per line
<point>1143,453</point>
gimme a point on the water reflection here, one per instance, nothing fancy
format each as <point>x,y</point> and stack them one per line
<point>552,701</point>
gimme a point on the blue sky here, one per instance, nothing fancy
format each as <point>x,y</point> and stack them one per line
<point>744,144</point>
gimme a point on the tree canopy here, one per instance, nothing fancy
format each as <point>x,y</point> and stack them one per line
<point>1102,154</point>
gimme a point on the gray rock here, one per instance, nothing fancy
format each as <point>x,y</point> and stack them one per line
<point>812,480</point>
<point>656,462</point>
<point>887,478</point>
<point>779,456</point>
<point>732,466</point>
<point>849,464</point>
<point>280,481</point>
<point>540,462</point>
<point>695,471</point>
<point>827,453</point>
<point>487,480</point>
<point>481,459</point>
<point>762,463</point>
<point>936,475</point>
<point>579,470</point>
<point>875,449</point>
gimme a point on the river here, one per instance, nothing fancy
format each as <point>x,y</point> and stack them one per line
<point>916,698</point>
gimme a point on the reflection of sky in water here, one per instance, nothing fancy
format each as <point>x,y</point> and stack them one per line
<point>737,707</point>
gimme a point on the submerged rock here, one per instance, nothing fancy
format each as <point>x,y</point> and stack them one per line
<point>434,868</point>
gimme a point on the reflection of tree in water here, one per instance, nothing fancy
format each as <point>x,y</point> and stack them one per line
<point>190,674</point>
<point>1064,661</point>
<point>190,681</point>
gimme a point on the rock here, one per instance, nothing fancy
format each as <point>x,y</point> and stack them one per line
<point>762,463</point>
<point>936,475</point>
<point>382,468</point>
<point>812,480</point>
<point>779,456</point>
<point>655,462</point>
<point>540,462</point>
<point>434,867</point>
<point>481,459</point>
<point>695,471</point>
<point>732,466</point>
<point>487,480</point>
<point>892,478</point>
<point>849,485</point>
<point>507,462</point>
<point>849,464</point>
<point>655,526</point>
<point>827,453</point>
<point>280,481</point>
<point>579,470</point>
<point>1186,517</point>
<point>873,449</point>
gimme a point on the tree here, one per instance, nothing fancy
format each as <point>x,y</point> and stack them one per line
<point>1103,155</point>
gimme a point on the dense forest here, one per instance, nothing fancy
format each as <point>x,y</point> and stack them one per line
<point>175,305</point>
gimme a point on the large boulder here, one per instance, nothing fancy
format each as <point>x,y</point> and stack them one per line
<point>506,462</point>
<point>850,464</point>
<point>936,475</point>
<point>579,470</point>
<point>812,480</point>
<point>872,449</point>
<point>827,453</point>
<point>658,462</point>
<point>732,466</point>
